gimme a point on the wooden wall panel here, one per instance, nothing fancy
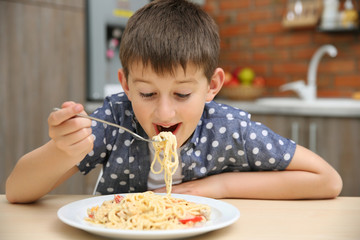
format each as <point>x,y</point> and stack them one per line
<point>42,64</point>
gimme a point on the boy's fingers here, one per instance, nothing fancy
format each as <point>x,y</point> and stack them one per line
<point>57,117</point>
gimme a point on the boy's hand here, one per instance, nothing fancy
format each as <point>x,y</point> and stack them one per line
<point>72,135</point>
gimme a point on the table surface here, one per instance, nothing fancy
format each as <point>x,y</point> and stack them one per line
<point>259,219</point>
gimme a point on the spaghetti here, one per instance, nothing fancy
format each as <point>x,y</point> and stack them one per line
<point>166,142</point>
<point>150,211</point>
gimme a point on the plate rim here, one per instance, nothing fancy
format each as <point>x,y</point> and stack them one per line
<point>174,233</point>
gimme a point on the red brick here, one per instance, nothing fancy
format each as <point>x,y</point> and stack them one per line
<point>256,15</point>
<point>286,68</point>
<point>272,27</point>
<point>271,55</point>
<point>231,4</point>
<point>292,40</point>
<point>347,80</point>
<point>336,66</point>
<point>260,41</point>
<point>262,3</point>
<point>275,81</point>
<point>234,30</point>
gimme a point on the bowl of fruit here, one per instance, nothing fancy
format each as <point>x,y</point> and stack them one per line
<point>242,84</point>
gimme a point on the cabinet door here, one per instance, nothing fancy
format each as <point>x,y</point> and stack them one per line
<point>338,142</point>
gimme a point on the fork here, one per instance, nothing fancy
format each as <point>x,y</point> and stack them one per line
<point>114,125</point>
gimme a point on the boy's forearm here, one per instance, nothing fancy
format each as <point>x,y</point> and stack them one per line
<point>37,172</point>
<point>277,185</point>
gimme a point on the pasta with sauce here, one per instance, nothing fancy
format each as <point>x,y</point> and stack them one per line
<point>150,211</point>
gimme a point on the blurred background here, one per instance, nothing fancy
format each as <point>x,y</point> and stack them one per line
<point>295,65</point>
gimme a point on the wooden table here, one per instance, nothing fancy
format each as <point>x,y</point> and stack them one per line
<point>336,219</point>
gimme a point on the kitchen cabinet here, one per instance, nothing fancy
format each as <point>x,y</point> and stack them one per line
<point>336,139</point>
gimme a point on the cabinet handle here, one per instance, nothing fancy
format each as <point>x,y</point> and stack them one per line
<point>295,131</point>
<point>312,136</point>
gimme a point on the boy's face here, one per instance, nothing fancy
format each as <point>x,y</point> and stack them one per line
<point>169,102</point>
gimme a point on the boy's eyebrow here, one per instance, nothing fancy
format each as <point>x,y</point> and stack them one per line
<point>180,81</point>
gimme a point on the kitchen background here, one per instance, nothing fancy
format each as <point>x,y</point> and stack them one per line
<point>44,59</point>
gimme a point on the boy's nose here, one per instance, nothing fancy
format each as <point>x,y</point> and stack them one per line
<point>165,110</point>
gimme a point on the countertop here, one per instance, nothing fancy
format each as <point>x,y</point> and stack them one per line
<point>259,219</point>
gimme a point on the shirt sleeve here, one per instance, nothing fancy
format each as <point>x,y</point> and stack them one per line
<point>104,136</point>
<point>265,149</point>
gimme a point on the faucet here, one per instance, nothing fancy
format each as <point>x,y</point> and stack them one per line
<point>308,92</point>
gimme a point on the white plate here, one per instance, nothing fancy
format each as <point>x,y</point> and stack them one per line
<point>222,215</point>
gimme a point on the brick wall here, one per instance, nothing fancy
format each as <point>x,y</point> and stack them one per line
<point>252,36</point>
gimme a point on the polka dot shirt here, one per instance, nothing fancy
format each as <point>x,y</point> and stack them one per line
<point>225,140</point>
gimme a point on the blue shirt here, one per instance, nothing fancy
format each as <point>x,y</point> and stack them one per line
<point>225,140</point>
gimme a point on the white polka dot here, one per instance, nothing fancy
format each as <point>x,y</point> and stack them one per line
<point>109,147</point>
<point>122,183</point>
<point>119,160</point>
<point>228,147</point>
<point>245,165</point>
<point>132,189</point>
<point>214,168</point>
<point>241,153</point>
<point>243,124</point>
<point>131,159</point>
<point>94,137</point>
<point>108,164</point>
<point>189,152</point>
<point>233,160</point>
<point>252,136</point>
<point>258,163</point>
<point>127,143</point>
<point>211,111</point>
<point>209,125</point>
<point>127,113</point>
<point>229,116</point>
<point>126,171</point>
<point>272,160</point>
<point>113,176</point>
<point>203,170</point>
<point>209,157</point>
<point>222,130</point>
<point>203,139</point>
<point>255,150</point>
<point>102,155</point>
<point>107,112</point>
<point>235,135</point>
<point>264,133</point>
<point>114,148</point>
<point>102,180</point>
<point>215,143</point>
<point>242,113</point>
<point>131,176</point>
<point>91,153</point>
<point>114,133</point>
<point>93,123</point>
<point>287,156</point>
<point>121,130</point>
<point>87,164</point>
<point>197,153</point>
<point>269,146</point>
<point>281,142</point>
<point>110,189</point>
<point>221,159</point>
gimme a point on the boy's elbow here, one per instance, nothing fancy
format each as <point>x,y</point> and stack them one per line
<point>333,186</point>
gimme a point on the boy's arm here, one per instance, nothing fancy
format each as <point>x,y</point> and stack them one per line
<point>41,170</point>
<point>308,176</point>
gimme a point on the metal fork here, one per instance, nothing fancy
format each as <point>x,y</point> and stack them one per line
<point>114,125</point>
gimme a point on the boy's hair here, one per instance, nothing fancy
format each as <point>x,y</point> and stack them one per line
<point>169,33</point>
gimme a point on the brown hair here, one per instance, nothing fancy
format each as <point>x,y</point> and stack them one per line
<point>166,33</point>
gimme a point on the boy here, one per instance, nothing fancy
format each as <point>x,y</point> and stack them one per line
<point>169,52</point>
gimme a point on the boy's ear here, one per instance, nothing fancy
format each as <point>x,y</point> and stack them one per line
<point>123,81</point>
<point>217,80</point>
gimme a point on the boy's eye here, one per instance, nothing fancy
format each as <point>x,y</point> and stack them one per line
<point>182,95</point>
<point>147,95</point>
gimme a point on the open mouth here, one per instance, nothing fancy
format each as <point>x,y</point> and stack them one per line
<point>172,128</point>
